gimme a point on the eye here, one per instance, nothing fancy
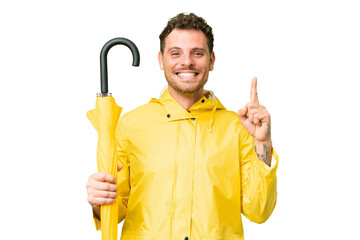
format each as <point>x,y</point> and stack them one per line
<point>198,54</point>
<point>175,54</point>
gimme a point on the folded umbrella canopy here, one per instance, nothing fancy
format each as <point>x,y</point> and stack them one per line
<point>104,118</point>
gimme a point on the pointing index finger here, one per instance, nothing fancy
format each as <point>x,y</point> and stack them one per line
<point>253,91</point>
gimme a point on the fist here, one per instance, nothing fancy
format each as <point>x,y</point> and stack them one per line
<point>102,188</point>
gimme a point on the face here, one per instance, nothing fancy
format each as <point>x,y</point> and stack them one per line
<point>186,61</point>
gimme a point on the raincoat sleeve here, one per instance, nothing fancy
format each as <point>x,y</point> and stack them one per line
<point>123,179</point>
<point>258,180</point>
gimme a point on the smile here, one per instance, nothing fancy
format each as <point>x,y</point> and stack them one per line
<point>187,74</point>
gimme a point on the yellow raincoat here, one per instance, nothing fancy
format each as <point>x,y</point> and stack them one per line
<point>188,175</point>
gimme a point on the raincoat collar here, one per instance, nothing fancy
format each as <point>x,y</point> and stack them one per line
<point>174,111</point>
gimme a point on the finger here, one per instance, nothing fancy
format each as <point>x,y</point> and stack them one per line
<point>242,112</point>
<point>258,118</point>
<point>95,201</point>
<point>255,116</point>
<point>252,105</point>
<point>253,91</point>
<point>103,177</point>
<point>103,194</point>
<point>93,185</point>
<point>252,112</point>
<point>250,116</point>
<point>104,186</point>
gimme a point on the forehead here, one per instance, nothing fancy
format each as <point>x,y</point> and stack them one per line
<point>186,39</point>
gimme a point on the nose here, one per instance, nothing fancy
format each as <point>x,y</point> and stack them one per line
<point>187,60</point>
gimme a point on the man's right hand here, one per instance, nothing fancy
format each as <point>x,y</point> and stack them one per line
<point>102,190</point>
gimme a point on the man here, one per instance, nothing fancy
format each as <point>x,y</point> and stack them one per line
<point>188,167</point>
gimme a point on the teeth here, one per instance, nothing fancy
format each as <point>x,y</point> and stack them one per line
<point>186,74</point>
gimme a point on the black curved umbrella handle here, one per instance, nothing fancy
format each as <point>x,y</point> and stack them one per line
<point>103,58</point>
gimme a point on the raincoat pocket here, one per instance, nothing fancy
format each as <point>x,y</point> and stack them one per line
<point>136,236</point>
<point>221,237</point>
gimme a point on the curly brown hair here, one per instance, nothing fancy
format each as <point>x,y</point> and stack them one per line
<point>189,22</point>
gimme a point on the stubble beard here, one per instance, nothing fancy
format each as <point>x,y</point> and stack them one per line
<point>188,92</point>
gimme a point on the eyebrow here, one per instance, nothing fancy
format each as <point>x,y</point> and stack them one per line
<point>173,48</point>
<point>194,49</point>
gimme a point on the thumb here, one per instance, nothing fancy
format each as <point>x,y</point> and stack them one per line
<point>119,167</point>
<point>242,114</point>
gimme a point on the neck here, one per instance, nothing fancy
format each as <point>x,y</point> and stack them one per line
<point>186,100</point>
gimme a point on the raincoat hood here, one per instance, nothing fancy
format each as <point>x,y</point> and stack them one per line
<point>176,112</point>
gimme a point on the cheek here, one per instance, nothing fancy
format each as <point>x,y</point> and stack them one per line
<point>170,65</point>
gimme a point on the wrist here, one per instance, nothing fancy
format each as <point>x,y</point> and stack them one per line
<point>267,142</point>
<point>263,150</point>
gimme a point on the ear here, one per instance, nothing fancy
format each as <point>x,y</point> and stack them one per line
<point>161,61</point>
<point>212,61</point>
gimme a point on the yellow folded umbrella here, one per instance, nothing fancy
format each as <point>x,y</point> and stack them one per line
<point>104,118</point>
